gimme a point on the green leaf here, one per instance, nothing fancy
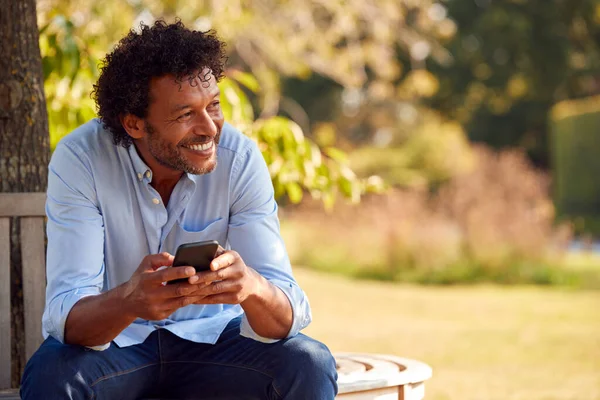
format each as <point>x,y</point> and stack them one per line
<point>350,188</point>
<point>328,200</point>
<point>294,192</point>
<point>246,79</point>
<point>279,188</point>
<point>336,154</point>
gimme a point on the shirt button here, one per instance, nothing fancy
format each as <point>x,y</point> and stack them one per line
<point>140,176</point>
<point>156,201</point>
<point>148,174</point>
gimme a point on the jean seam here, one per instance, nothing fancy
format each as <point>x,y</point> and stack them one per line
<point>114,375</point>
<point>160,357</point>
<point>232,366</point>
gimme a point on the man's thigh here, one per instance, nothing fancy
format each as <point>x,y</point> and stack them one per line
<point>240,368</point>
<point>62,371</point>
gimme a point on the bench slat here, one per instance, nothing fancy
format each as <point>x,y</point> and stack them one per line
<point>22,204</point>
<point>5,311</point>
<point>34,280</point>
<point>382,370</point>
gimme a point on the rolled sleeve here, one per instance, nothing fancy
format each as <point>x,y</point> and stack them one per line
<point>75,254</point>
<point>58,309</point>
<point>302,316</point>
<point>254,233</point>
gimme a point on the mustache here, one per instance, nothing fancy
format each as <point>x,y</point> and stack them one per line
<point>202,139</point>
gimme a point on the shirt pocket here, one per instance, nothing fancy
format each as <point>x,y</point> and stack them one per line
<point>216,230</point>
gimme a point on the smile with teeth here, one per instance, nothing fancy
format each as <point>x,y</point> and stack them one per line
<point>201,147</point>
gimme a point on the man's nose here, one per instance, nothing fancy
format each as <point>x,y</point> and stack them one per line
<point>206,126</point>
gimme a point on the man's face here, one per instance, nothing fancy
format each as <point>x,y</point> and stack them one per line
<point>184,123</point>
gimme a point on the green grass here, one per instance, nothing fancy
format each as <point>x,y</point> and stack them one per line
<point>483,342</point>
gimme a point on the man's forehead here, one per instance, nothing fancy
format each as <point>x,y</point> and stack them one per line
<point>202,81</point>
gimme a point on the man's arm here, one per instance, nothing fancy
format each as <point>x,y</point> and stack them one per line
<point>267,308</point>
<point>96,320</point>
<point>76,310</point>
<point>258,273</point>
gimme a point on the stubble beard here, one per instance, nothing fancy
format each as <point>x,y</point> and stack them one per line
<point>170,156</point>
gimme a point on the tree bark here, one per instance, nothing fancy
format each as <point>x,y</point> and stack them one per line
<point>24,139</point>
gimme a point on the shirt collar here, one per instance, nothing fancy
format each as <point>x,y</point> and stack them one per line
<point>142,171</point>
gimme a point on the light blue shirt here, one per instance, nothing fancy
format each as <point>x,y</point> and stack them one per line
<point>104,217</point>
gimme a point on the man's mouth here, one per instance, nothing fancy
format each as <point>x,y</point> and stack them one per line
<point>201,147</point>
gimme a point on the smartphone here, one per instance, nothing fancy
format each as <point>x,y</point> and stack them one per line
<point>196,254</point>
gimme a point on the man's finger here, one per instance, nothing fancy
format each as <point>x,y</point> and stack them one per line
<point>221,298</point>
<point>210,276</point>
<point>181,290</point>
<point>220,250</point>
<point>178,302</point>
<point>155,261</point>
<point>224,260</point>
<point>173,273</point>
<point>216,288</point>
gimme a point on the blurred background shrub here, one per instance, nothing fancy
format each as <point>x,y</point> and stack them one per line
<point>494,223</point>
<point>576,148</point>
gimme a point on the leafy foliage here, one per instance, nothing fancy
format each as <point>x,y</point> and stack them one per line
<point>512,60</point>
<point>297,165</point>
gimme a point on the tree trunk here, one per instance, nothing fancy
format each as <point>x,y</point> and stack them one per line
<point>24,139</point>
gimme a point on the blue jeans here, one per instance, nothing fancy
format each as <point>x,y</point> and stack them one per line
<point>168,367</point>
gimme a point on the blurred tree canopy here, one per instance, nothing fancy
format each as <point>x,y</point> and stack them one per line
<point>512,60</point>
<point>268,40</point>
<point>350,72</point>
<point>503,65</point>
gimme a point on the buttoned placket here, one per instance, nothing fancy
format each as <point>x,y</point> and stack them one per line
<point>179,200</point>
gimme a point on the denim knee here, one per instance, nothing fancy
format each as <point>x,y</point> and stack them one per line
<point>309,371</point>
<point>48,375</point>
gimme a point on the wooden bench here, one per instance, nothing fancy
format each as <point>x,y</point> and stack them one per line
<point>360,376</point>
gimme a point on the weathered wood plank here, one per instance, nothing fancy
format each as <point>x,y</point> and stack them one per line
<point>346,366</point>
<point>22,204</point>
<point>415,391</point>
<point>34,280</point>
<point>12,394</point>
<point>389,393</point>
<point>382,371</point>
<point>5,344</point>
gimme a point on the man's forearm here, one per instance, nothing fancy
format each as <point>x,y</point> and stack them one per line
<point>97,320</point>
<point>269,311</point>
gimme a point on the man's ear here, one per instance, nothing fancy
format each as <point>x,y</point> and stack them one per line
<point>134,126</point>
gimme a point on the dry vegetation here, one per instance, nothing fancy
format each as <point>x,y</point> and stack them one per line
<point>495,223</point>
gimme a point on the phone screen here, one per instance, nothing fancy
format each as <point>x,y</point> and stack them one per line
<point>196,254</point>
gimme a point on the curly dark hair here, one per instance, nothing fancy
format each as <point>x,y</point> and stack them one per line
<point>124,83</point>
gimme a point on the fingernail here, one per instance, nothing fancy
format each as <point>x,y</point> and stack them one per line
<point>215,265</point>
<point>194,279</point>
<point>190,271</point>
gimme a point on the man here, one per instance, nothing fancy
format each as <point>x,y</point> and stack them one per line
<point>159,169</point>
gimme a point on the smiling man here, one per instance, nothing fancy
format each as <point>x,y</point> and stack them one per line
<point>160,168</point>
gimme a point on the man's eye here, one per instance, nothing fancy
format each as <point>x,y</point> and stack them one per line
<point>215,103</point>
<point>184,116</point>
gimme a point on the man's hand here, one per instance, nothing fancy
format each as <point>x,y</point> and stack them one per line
<point>229,281</point>
<point>145,295</point>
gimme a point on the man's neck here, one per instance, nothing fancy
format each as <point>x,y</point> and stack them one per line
<point>164,178</point>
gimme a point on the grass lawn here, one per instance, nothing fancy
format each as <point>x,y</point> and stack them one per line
<point>483,342</point>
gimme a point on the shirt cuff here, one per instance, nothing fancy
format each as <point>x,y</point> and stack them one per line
<point>58,310</point>
<point>101,347</point>
<point>301,313</point>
